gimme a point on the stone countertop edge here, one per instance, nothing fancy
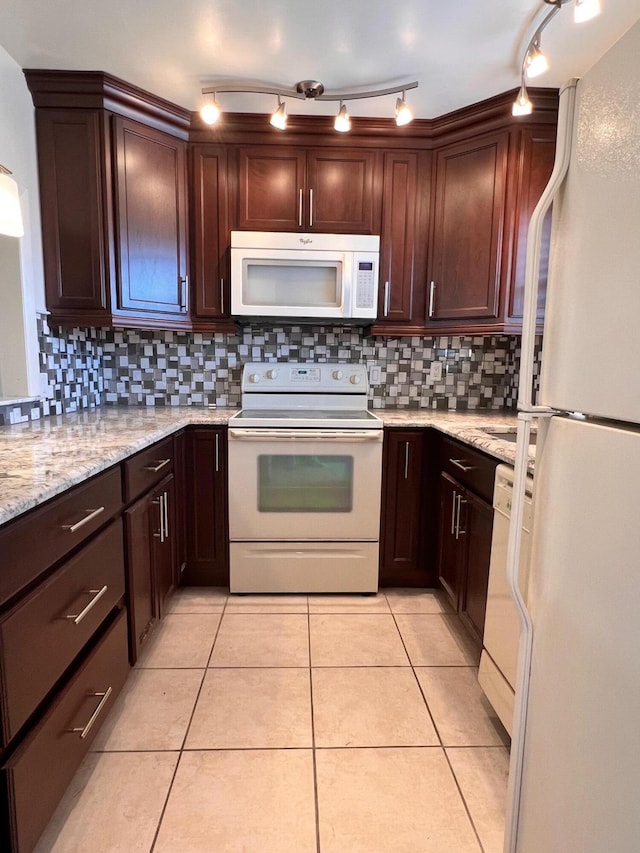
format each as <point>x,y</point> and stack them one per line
<point>41,459</point>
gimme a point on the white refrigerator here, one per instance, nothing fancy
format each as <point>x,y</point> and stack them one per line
<point>575,760</point>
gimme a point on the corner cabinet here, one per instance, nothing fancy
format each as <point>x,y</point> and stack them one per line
<point>331,190</point>
<point>404,529</point>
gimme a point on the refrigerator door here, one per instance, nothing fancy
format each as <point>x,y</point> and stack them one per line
<point>591,342</point>
<point>581,773</point>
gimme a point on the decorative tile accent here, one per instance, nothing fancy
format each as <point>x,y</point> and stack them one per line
<point>513,370</point>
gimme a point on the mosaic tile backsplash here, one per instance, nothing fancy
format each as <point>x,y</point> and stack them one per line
<point>88,367</point>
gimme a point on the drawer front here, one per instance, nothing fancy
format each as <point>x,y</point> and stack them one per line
<point>39,639</point>
<point>147,468</point>
<point>469,467</point>
<point>33,543</point>
<point>40,770</point>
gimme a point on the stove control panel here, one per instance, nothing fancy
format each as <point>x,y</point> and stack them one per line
<point>300,378</point>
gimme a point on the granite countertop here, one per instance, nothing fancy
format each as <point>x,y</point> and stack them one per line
<point>41,459</point>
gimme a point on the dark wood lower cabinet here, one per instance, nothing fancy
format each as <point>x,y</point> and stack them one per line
<point>451,551</point>
<point>404,529</point>
<point>207,513</point>
<point>478,527</point>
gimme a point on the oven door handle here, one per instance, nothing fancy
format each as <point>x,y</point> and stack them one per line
<point>306,435</point>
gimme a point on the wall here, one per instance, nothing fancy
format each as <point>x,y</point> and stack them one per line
<point>21,271</point>
<point>83,368</point>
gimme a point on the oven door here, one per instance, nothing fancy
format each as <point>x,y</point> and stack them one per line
<point>304,484</point>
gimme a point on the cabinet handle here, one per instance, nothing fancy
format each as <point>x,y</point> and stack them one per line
<point>310,208</point>
<point>97,595</point>
<point>386,298</point>
<point>184,284</point>
<point>84,730</point>
<point>459,463</point>
<point>160,503</point>
<point>217,453</point>
<point>453,512</point>
<point>406,460</point>
<point>166,515</point>
<point>459,500</point>
<point>92,514</point>
<point>432,297</point>
<point>222,296</point>
<point>158,466</point>
<point>300,209</point>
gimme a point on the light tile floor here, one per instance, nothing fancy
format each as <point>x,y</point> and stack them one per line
<point>286,724</point>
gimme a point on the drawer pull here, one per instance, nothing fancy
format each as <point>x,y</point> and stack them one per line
<point>97,595</point>
<point>459,464</point>
<point>85,731</point>
<point>92,514</point>
<point>158,466</point>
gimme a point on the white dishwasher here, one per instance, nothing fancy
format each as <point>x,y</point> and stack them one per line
<point>499,660</point>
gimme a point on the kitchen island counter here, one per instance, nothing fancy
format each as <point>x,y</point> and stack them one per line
<point>41,459</point>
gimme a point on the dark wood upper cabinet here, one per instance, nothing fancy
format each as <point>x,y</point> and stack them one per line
<point>536,153</point>
<point>151,207</point>
<point>468,224</point>
<point>211,236</point>
<point>292,189</point>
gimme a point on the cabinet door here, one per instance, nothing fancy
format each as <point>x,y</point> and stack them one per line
<point>151,213</point>
<point>139,521</point>
<point>535,164</point>
<point>477,527</point>
<point>341,192</point>
<point>403,509</point>
<point>211,234</point>
<point>451,547</point>
<point>469,213</point>
<point>74,211</point>
<point>271,188</point>
<point>164,541</point>
<point>207,526</point>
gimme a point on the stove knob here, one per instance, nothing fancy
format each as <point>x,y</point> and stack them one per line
<point>338,374</point>
<point>355,379</point>
<point>271,374</point>
<point>254,377</point>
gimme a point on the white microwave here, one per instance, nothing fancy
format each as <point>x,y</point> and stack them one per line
<point>304,277</point>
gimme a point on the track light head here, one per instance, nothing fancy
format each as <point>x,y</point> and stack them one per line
<point>536,62</point>
<point>342,122</point>
<point>279,117</point>
<point>522,106</point>
<point>210,112</point>
<point>403,113</point>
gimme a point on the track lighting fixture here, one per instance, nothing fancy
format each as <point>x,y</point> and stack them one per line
<point>403,113</point>
<point>279,117</point>
<point>10,213</point>
<point>534,61</point>
<point>306,90</point>
<point>342,122</point>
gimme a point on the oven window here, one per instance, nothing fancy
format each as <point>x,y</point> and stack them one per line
<point>305,483</point>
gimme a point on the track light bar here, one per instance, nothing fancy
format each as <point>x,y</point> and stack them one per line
<point>306,90</point>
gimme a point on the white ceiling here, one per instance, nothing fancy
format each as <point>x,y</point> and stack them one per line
<point>460,51</point>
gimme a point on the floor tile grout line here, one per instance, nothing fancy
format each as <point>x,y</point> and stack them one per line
<point>186,732</point>
<point>438,735</point>
<point>313,736</point>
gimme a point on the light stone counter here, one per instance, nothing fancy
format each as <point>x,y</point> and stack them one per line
<point>41,459</point>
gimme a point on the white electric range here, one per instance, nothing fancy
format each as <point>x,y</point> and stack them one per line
<point>305,472</point>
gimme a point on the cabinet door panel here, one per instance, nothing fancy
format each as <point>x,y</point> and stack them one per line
<point>164,542</point>
<point>341,184</point>
<point>211,233</point>
<point>271,180</point>
<point>478,528</point>
<point>72,204</point>
<point>208,528</point>
<point>151,204</point>
<point>468,228</point>
<point>139,522</point>
<point>451,549</point>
